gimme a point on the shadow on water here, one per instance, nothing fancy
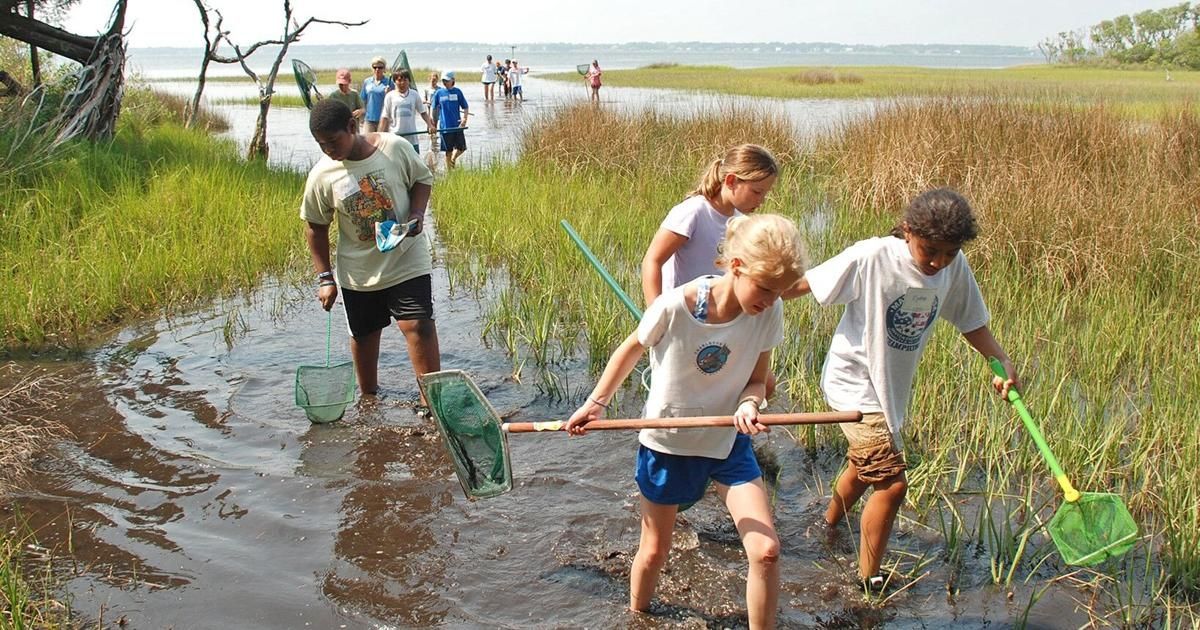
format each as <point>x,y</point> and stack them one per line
<point>194,494</point>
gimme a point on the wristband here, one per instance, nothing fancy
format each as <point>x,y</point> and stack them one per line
<point>751,399</point>
<point>327,283</point>
<point>590,399</point>
<point>325,275</point>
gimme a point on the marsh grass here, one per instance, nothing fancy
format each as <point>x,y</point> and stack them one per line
<point>1135,91</point>
<point>155,218</point>
<point>1087,260</point>
<point>28,584</point>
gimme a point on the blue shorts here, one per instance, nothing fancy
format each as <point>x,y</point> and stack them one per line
<point>677,479</point>
<point>516,89</point>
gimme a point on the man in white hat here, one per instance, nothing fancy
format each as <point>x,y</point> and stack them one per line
<point>449,103</point>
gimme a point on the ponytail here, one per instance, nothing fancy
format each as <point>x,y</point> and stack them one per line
<point>747,162</point>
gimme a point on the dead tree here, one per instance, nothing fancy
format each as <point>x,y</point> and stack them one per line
<point>210,50</point>
<point>292,30</point>
<point>90,110</point>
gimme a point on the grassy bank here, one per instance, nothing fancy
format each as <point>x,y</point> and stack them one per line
<point>1137,90</point>
<point>155,218</point>
<point>1087,260</point>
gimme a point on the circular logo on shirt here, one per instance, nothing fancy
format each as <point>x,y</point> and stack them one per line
<point>712,357</point>
<point>906,327</point>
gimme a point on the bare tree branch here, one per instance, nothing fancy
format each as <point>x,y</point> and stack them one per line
<point>292,31</point>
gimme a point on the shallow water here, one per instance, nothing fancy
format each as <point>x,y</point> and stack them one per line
<point>194,494</point>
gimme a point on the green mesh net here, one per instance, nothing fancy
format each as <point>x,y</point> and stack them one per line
<point>471,429</point>
<point>306,81</point>
<point>583,68</point>
<point>324,391</point>
<point>1093,529</point>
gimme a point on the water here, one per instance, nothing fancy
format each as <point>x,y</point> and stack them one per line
<point>159,63</point>
<point>194,494</point>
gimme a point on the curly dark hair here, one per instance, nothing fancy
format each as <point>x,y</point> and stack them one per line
<point>329,116</point>
<point>940,214</point>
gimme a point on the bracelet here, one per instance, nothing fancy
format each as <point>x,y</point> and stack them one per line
<point>327,283</point>
<point>593,400</point>
<point>750,399</point>
<point>325,275</point>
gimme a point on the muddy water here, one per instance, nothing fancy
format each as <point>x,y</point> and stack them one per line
<point>194,494</point>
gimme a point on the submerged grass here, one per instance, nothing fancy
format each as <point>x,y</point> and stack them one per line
<point>156,217</point>
<point>1087,260</point>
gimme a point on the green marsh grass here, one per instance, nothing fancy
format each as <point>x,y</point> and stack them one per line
<point>1133,90</point>
<point>1087,260</point>
<point>157,217</point>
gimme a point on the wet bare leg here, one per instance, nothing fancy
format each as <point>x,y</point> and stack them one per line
<point>423,351</point>
<point>365,353</point>
<point>750,508</point>
<point>658,522</point>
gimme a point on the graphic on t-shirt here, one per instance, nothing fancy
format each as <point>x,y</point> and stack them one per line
<point>712,357</point>
<point>905,327</point>
<point>369,204</point>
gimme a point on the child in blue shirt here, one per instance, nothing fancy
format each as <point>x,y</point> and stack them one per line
<point>448,103</point>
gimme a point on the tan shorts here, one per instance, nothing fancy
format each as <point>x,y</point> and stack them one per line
<point>874,451</point>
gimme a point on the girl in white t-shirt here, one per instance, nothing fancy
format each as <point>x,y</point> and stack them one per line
<point>894,288</point>
<point>685,245</point>
<point>710,346</point>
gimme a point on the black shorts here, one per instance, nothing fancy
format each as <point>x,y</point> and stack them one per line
<point>371,311</point>
<point>453,140</point>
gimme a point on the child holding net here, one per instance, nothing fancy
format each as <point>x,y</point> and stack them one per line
<point>710,346</point>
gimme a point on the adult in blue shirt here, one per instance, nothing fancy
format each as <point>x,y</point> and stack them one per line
<point>374,88</point>
<point>447,103</point>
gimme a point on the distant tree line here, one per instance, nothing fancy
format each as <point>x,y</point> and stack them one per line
<point>1168,37</point>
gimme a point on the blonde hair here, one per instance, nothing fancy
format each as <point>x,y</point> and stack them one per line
<point>747,162</point>
<point>433,79</point>
<point>768,246</point>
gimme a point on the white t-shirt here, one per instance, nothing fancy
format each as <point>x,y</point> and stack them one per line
<point>360,193</point>
<point>402,111</point>
<point>514,75</point>
<point>704,228</point>
<point>489,73</point>
<point>700,369</point>
<point>890,308</point>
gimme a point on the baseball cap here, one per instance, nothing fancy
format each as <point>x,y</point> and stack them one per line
<point>343,76</point>
<point>448,75</point>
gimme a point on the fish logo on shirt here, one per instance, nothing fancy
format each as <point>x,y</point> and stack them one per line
<point>905,328</point>
<point>712,357</point>
<point>369,204</point>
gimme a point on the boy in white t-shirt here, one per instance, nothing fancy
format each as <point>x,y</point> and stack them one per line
<point>363,180</point>
<point>710,346</point>
<point>401,107</point>
<point>514,80</point>
<point>894,288</point>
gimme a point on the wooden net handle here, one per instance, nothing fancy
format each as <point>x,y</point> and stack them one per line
<point>825,417</point>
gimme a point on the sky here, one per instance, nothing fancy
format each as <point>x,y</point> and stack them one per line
<point>1008,22</point>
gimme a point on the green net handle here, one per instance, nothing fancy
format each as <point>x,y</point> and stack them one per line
<point>1069,491</point>
<point>608,279</point>
<point>328,334</point>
